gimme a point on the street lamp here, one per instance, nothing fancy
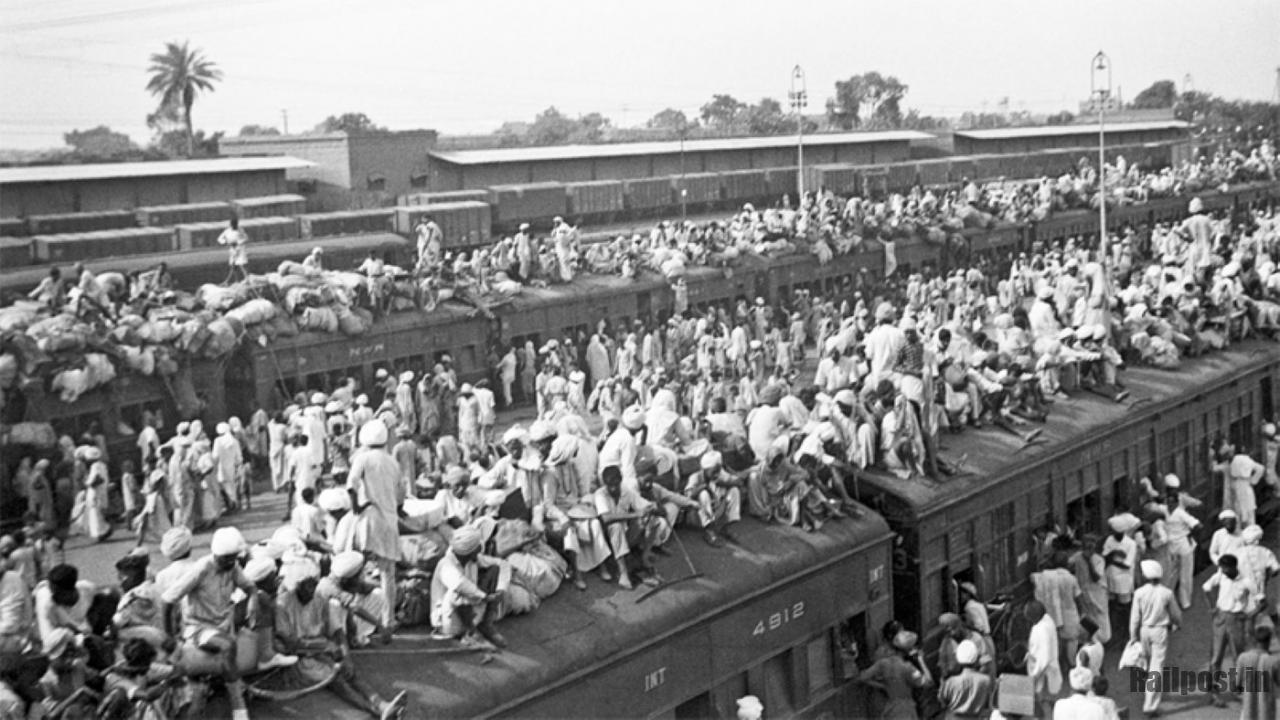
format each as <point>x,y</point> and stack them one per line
<point>799,97</point>
<point>1100,87</point>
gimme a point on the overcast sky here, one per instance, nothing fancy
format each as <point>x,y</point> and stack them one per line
<point>467,65</point>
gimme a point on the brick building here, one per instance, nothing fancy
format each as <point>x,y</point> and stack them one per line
<point>351,170</point>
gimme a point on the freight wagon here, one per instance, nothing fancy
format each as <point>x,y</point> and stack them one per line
<point>195,267</point>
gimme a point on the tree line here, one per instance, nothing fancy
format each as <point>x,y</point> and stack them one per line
<point>180,75</point>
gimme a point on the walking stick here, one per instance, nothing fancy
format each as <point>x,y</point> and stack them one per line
<point>693,572</point>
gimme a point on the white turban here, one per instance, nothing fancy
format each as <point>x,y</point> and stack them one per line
<point>227,541</point>
<point>465,540</point>
<point>175,542</point>
<point>967,652</point>
<point>334,499</point>
<point>259,569</point>
<point>373,433</point>
<point>1081,679</point>
<point>346,565</point>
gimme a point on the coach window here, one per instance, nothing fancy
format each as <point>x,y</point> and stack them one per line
<point>286,388</point>
<point>855,647</point>
<point>131,418</point>
<point>1084,515</point>
<point>376,182</point>
<point>357,373</point>
<point>1120,492</point>
<point>779,684</point>
<point>821,661</point>
<point>317,381</point>
<point>75,425</point>
<point>1005,552</point>
<point>1268,402</point>
<point>468,359</point>
<point>723,699</point>
<point>695,708</point>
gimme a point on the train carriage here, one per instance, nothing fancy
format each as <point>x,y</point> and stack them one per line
<point>979,526</point>
<point>769,616</point>
<point>117,407</point>
<point>267,376</point>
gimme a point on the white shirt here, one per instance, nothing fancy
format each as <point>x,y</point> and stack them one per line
<point>1078,707</point>
<point>1223,543</point>
<point>1042,656</point>
<point>1234,596</point>
<point>1179,527</point>
<point>620,449</point>
<point>1120,580</point>
<point>883,345</point>
<point>236,239</point>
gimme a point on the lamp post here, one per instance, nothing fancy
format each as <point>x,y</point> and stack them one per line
<point>799,97</point>
<point>1100,86</point>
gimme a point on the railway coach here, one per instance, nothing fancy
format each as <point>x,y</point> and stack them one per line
<point>981,525</point>
<point>774,615</point>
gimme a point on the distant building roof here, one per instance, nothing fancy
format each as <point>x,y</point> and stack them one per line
<point>159,168</point>
<point>1059,130</point>
<point>573,152</point>
<point>312,137</point>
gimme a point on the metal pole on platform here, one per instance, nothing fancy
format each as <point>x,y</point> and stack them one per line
<point>1101,95</point>
<point>799,97</point>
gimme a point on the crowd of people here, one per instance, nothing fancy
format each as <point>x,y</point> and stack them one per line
<point>408,505</point>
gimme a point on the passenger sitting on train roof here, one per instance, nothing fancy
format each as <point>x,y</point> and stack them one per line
<point>467,589</point>
<point>305,627</point>
<point>629,521</point>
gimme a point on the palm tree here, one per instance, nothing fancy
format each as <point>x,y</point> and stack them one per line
<point>177,76</point>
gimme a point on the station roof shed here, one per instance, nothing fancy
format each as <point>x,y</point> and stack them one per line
<point>467,169</point>
<point>51,189</point>
<point>1052,137</point>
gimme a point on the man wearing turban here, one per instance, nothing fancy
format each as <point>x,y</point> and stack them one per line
<point>467,589</point>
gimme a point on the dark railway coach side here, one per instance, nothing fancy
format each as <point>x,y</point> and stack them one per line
<point>981,526</point>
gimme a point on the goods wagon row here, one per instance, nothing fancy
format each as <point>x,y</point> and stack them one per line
<point>155,216</point>
<point>603,201</point>
<point>209,265</point>
<point>873,180</point>
<point>123,242</point>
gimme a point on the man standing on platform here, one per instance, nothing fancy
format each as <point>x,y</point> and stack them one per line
<point>1042,657</point>
<point>234,240</point>
<point>1259,671</point>
<point>375,480</point>
<point>1155,614</point>
<point>1226,539</point>
<point>1180,575</point>
<point>1237,599</point>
